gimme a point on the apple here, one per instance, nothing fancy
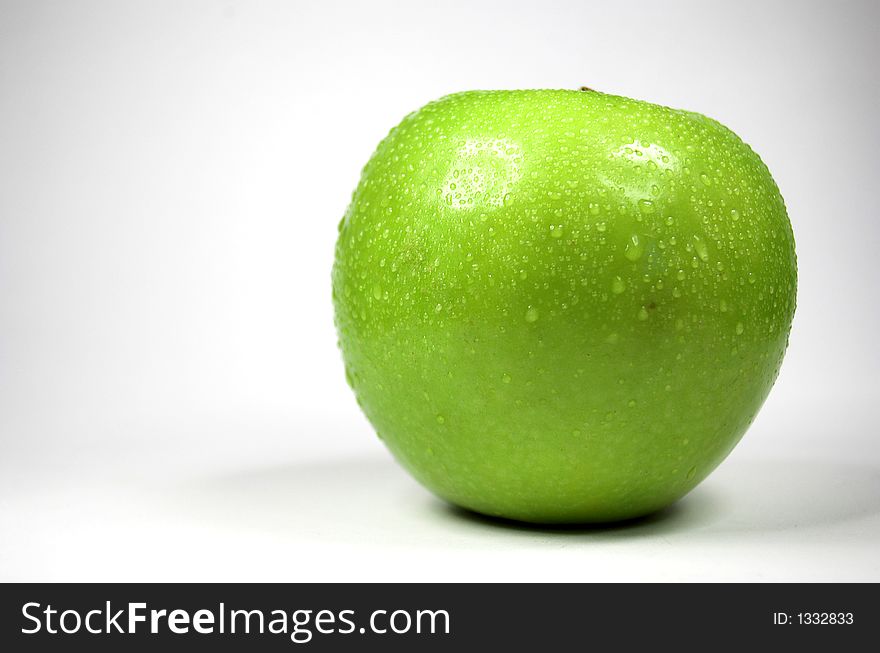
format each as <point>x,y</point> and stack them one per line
<point>562,306</point>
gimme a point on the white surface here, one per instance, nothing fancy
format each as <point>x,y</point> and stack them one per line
<point>172,404</point>
<point>252,507</point>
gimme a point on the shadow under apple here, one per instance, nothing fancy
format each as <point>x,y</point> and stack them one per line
<point>373,500</point>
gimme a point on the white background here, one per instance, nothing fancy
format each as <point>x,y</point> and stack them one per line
<point>172,402</point>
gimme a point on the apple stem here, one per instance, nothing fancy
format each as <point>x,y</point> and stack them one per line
<point>585,88</point>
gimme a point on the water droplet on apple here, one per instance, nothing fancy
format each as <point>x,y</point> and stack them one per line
<point>634,248</point>
<point>701,249</point>
<point>505,378</point>
<point>739,328</point>
<point>532,314</point>
<point>556,231</point>
<point>646,207</point>
<point>643,314</point>
<point>618,285</point>
<point>692,472</point>
<point>441,419</point>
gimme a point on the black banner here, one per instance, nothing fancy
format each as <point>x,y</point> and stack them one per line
<point>401,617</point>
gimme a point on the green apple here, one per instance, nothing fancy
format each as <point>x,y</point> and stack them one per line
<point>562,306</point>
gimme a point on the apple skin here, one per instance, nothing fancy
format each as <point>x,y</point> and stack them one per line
<point>562,306</point>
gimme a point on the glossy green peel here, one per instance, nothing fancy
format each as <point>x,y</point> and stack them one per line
<point>562,306</point>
